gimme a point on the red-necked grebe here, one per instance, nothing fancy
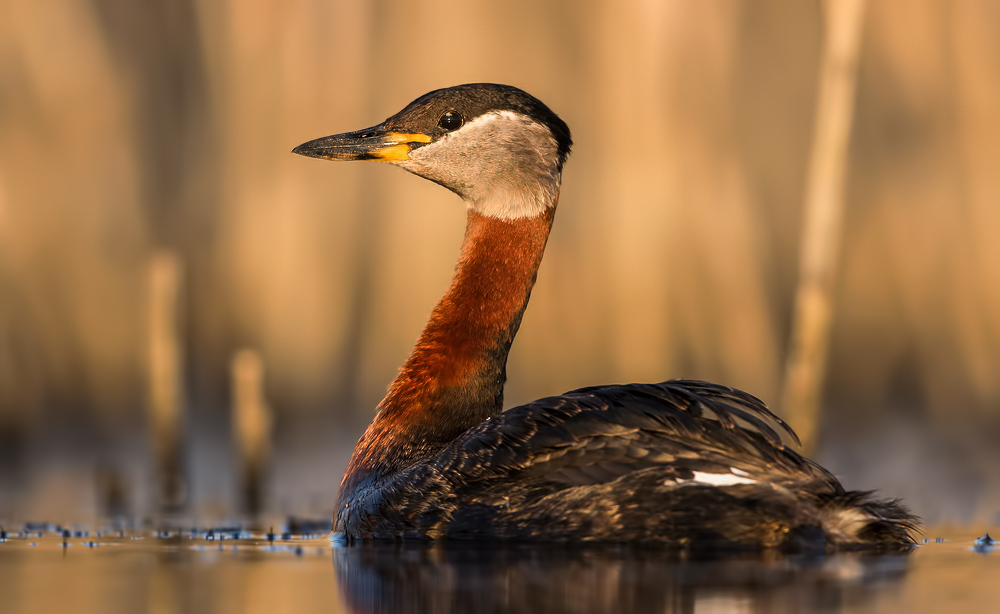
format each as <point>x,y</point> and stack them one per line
<point>682,462</point>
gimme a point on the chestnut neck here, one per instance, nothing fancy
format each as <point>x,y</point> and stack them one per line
<point>453,379</point>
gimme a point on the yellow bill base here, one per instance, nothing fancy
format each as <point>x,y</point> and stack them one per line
<point>400,150</point>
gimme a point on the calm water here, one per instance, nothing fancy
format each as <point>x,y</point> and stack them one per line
<point>47,571</point>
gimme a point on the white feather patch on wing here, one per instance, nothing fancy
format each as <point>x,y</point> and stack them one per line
<point>718,479</point>
<point>721,479</point>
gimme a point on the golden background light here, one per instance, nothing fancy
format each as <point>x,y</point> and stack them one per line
<point>126,129</point>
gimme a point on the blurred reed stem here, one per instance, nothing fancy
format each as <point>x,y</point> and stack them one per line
<point>823,216</point>
<point>252,421</point>
<point>165,379</point>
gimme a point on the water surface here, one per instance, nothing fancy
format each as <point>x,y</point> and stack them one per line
<point>51,569</point>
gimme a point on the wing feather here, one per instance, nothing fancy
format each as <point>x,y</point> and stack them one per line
<point>597,434</point>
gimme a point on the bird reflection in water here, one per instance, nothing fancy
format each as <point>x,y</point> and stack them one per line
<point>494,577</point>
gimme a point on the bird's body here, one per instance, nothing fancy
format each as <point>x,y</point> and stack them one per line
<point>681,462</point>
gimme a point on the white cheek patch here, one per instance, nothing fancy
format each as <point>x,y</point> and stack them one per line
<point>504,164</point>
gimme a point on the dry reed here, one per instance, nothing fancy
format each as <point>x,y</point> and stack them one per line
<point>251,423</point>
<point>166,384</point>
<point>821,229</point>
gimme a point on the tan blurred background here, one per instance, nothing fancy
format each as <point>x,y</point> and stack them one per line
<point>131,128</point>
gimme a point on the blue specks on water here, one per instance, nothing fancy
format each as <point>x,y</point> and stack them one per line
<point>925,541</point>
<point>200,540</point>
<point>985,544</point>
<point>938,540</point>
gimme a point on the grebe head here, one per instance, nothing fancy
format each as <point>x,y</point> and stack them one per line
<point>499,148</point>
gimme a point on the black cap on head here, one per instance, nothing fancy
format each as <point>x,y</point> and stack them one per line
<point>427,113</point>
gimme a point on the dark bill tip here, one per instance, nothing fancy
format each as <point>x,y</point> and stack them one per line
<point>376,143</point>
<point>351,146</point>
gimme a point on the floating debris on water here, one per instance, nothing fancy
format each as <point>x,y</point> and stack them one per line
<point>273,539</point>
<point>985,544</point>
